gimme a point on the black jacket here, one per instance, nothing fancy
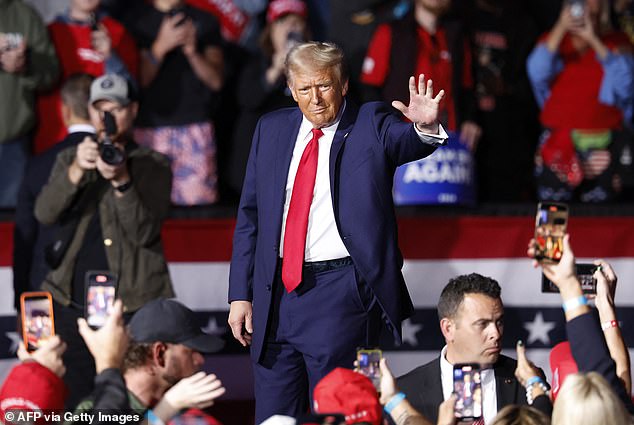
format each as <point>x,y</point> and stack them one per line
<point>423,388</point>
<point>29,236</point>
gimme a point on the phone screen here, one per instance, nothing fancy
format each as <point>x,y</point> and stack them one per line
<point>468,388</point>
<point>550,228</point>
<point>368,365</point>
<point>577,8</point>
<point>585,274</point>
<point>37,319</point>
<point>100,296</point>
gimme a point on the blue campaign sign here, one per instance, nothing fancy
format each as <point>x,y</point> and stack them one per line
<point>445,177</point>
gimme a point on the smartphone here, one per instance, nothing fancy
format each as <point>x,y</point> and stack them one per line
<point>38,323</point>
<point>467,386</point>
<point>550,227</point>
<point>577,8</point>
<point>368,364</point>
<point>101,287</point>
<point>585,274</point>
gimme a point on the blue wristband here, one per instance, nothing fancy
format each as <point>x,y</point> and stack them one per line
<point>533,380</point>
<point>394,401</point>
<point>573,303</point>
<point>152,418</point>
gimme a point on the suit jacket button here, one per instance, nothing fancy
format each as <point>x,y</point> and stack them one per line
<point>268,287</point>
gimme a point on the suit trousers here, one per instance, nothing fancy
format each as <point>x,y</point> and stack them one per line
<point>311,331</point>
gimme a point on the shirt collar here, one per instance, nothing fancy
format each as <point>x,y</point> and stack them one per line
<point>76,128</point>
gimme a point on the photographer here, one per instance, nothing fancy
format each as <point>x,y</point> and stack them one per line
<point>109,199</point>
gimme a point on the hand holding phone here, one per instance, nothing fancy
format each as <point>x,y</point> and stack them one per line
<point>585,274</point>
<point>38,323</point>
<point>550,227</point>
<point>468,389</point>
<point>100,295</point>
<point>368,360</point>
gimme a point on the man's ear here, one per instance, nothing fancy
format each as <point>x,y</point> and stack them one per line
<point>447,327</point>
<point>134,106</point>
<point>66,114</point>
<point>344,88</point>
<point>158,353</point>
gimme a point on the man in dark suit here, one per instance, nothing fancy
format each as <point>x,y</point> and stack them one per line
<point>316,267</point>
<point>471,320</point>
<point>29,236</point>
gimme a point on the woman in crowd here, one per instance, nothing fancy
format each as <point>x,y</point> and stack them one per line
<point>582,74</point>
<point>588,399</point>
<point>262,85</point>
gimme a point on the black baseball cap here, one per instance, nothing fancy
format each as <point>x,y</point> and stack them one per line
<point>167,320</point>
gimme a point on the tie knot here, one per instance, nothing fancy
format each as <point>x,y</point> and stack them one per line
<point>317,133</point>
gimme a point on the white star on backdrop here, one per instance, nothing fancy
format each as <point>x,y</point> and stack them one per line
<point>409,332</point>
<point>538,329</point>
<point>15,341</point>
<point>212,327</point>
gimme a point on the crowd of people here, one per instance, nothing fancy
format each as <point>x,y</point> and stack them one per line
<point>148,371</point>
<point>135,107</point>
<point>206,71</point>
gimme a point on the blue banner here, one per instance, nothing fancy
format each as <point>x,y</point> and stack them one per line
<point>445,177</point>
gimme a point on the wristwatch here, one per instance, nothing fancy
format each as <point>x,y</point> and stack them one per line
<point>122,188</point>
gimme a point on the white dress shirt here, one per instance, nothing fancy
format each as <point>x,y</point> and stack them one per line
<point>323,241</point>
<point>487,378</point>
<point>86,128</point>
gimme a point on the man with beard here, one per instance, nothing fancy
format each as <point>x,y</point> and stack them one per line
<point>166,346</point>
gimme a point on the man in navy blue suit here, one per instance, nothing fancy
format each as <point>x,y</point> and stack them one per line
<point>316,268</point>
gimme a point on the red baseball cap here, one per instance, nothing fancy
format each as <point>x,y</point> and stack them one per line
<point>32,387</point>
<point>193,417</point>
<point>279,8</point>
<point>349,393</point>
<point>562,364</point>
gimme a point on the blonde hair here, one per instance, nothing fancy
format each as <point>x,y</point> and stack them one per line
<point>315,55</point>
<point>588,399</point>
<point>520,415</point>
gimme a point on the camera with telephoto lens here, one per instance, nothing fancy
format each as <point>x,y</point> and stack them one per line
<point>109,153</point>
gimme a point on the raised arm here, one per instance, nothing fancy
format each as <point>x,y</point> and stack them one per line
<point>604,301</point>
<point>423,105</point>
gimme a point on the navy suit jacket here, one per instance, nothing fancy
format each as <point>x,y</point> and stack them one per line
<point>29,236</point>
<point>592,354</point>
<point>423,388</point>
<point>369,144</point>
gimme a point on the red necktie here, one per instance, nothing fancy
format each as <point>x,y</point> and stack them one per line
<point>297,218</point>
<point>479,421</point>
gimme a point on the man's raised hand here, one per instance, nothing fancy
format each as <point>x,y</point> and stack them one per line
<point>423,105</point>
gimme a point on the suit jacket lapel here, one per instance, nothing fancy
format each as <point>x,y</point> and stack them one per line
<point>505,386</point>
<point>435,395</point>
<point>345,126</point>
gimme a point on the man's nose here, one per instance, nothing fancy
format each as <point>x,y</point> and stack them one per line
<point>315,95</point>
<point>495,331</point>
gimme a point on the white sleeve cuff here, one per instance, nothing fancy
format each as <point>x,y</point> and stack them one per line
<point>433,139</point>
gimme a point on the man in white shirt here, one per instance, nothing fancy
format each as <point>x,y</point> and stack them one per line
<point>316,269</point>
<point>472,322</point>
